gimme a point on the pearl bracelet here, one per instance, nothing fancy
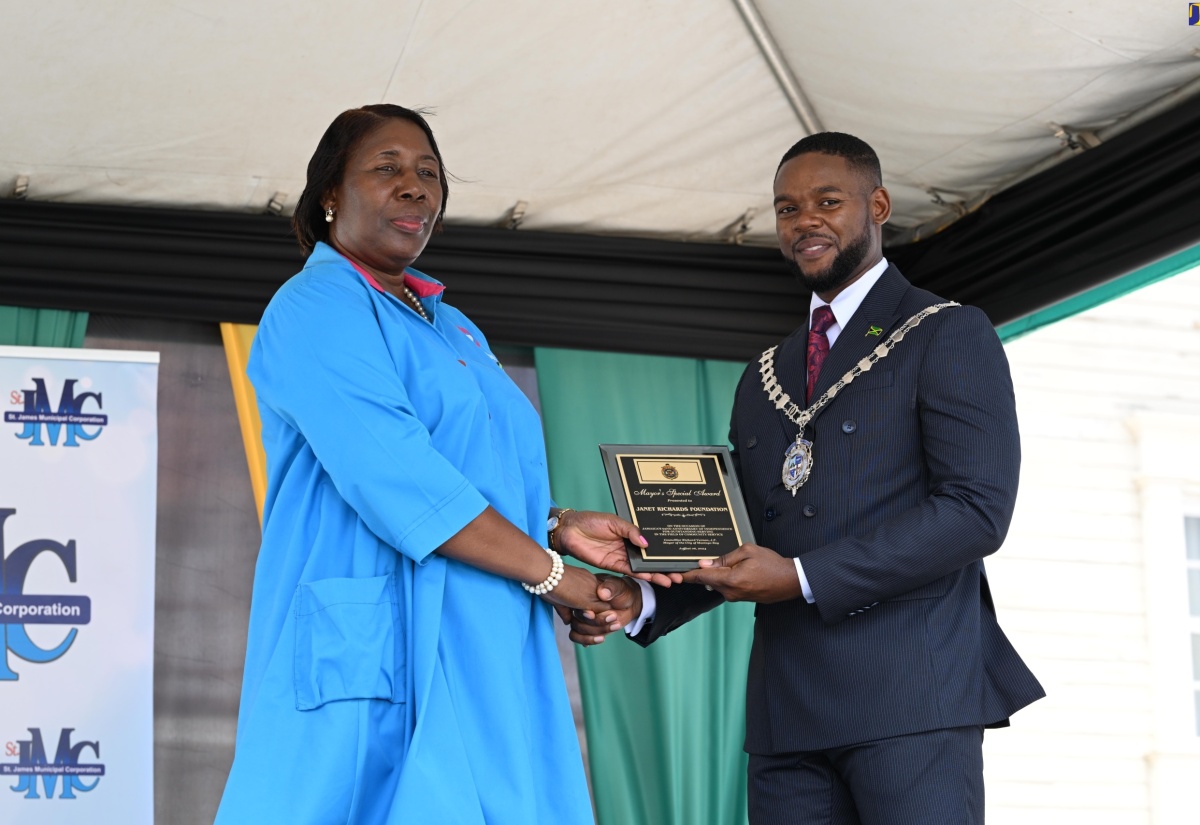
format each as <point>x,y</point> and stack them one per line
<point>551,582</point>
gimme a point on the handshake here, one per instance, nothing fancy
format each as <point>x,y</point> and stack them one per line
<point>622,600</point>
<point>597,605</point>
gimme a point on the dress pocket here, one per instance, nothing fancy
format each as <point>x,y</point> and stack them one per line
<point>349,643</point>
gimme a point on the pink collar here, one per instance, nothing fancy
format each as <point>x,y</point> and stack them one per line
<point>423,288</point>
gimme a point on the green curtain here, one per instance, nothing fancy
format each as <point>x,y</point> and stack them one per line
<point>665,724</point>
<point>21,326</point>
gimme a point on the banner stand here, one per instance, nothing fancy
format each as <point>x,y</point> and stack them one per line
<point>78,481</point>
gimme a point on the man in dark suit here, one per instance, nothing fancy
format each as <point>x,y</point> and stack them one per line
<point>877,659</point>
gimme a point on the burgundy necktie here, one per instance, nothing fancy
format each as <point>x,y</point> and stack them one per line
<point>818,344</point>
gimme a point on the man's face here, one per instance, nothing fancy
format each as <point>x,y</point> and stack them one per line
<point>827,218</point>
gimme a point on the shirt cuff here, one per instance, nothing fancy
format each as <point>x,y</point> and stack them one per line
<point>804,588</point>
<point>649,605</point>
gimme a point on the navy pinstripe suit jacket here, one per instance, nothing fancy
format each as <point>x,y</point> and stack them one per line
<point>915,469</point>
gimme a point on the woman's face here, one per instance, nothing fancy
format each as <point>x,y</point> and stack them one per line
<point>388,201</point>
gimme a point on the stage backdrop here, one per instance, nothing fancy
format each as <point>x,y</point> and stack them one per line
<point>78,474</point>
<point>664,725</point>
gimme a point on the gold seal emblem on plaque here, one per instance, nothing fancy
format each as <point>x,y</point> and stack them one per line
<point>669,472</point>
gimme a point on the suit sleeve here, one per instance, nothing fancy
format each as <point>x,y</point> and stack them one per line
<point>676,606</point>
<point>971,449</point>
<point>320,363</point>
<point>734,443</point>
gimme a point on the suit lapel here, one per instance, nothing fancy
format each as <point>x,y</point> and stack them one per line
<point>792,372</point>
<point>879,309</point>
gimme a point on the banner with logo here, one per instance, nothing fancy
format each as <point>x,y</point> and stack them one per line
<point>78,461</point>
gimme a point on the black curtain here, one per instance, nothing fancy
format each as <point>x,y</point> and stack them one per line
<point>522,288</point>
<point>1108,211</point>
<point>1104,213</point>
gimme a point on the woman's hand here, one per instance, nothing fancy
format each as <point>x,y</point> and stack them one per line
<point>576,591</point>
<point>599,540</point>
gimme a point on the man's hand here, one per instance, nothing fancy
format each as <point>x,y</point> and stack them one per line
<point>749,574</point>
<point>599,540</point>
<point>624,598</point>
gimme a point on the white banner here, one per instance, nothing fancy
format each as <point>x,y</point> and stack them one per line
<point>78,474</point>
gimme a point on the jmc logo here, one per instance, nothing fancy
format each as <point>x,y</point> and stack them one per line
<point>32,764</point>
<point>18,609</point>
<point>69,416</point>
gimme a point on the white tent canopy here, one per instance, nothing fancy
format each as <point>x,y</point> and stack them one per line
<point>637,117</point>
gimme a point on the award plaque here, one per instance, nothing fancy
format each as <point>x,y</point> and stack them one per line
<point>685,499</point>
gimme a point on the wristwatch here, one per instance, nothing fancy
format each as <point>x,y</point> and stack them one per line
<point>552,525</point>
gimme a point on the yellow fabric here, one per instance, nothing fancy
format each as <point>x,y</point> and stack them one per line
<point>238,338</point>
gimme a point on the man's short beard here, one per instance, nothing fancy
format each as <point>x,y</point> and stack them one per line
<point>841,269</point>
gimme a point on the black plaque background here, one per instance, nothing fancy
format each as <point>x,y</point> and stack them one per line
<point>737,508</point>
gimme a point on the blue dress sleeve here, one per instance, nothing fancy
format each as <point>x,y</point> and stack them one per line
<point>320,362</point>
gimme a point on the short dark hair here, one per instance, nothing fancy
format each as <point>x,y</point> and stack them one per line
<point>858,153</point>
<point>328,165</point>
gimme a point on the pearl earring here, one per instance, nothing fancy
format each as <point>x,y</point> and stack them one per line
<point>328,214</point>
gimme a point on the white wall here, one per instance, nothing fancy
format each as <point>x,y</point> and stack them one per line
<point>1090,585</point>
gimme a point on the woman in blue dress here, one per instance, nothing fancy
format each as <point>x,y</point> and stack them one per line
<point>401,664</point>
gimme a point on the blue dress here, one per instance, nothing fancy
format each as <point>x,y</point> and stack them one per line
<point>385,683</point>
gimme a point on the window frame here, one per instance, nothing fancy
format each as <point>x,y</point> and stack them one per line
<point>1168,479</point>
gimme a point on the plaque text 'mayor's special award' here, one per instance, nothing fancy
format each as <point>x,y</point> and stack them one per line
<point>685,499</point>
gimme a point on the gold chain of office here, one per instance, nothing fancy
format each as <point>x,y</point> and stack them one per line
<point>798,460</point>
<point>801,417</point>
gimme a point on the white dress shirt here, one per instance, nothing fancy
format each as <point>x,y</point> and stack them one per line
<point>844,305</point>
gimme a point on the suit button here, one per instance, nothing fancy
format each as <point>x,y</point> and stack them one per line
<point>751,442</point>
<point>770,514</point>
<point>809,510</point>
<point>849,427</point>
